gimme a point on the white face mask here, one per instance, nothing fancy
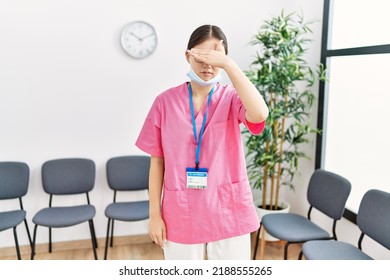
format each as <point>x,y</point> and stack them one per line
<point>194,77</point>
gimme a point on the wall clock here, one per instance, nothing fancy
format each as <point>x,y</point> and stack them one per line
<point>139,39</point>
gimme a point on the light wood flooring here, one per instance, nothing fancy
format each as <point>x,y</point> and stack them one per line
<point>126,248</point>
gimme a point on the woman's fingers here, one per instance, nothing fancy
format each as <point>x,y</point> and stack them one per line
<point>157,239</point>
<point>160,239</point>
<point>205,56</point>
<point>157,233</point>
<point>164,236</point>
<point>197,53</point>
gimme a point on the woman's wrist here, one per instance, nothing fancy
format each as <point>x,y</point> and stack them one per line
<point>230,65</point>
<point>155,213</point>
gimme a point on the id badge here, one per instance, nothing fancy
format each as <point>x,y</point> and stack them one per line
<point>196,178</point>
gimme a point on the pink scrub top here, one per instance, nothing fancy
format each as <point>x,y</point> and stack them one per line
<point>225,208</point>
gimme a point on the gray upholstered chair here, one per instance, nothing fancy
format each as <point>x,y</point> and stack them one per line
<point>373,219</point>
<point>126,174</point>
<point>14,181</point>
<point>64,177</point>
<point>328,193</point>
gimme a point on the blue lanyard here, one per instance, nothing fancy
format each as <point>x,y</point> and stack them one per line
<point>198,140</point>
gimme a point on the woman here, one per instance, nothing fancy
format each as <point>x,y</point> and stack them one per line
<point>200,199</point>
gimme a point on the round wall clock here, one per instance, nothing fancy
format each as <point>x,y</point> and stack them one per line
<point>139,39</point>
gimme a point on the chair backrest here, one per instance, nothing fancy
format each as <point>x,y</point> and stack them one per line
<point>373,217</point>
<point>14,179</point>
<point>68,176</point>
<point>126,173</point>
<point>328,192</point>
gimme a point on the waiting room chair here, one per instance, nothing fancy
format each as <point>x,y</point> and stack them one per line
<point>14,181</point>
<point>373,219</point>
<point>64,177</point>
<point>126,174</point>
<point>328,193</point>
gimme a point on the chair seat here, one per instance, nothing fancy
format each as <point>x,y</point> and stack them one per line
<point>332,250</point>
<point>292,227</point>
<point>128,211</point>
<point>11,219</point>
<point>58,217</point>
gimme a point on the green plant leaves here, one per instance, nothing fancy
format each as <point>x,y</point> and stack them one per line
<point>285,79</point>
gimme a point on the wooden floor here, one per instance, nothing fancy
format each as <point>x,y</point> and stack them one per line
<point>139,248</point>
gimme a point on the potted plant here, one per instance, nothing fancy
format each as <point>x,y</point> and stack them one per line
<point>285,79</point>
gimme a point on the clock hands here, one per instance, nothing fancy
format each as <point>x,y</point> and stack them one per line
<point>141,38</point>
<point>151,34</point>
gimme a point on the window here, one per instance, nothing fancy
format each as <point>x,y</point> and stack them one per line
<point>359,23</point>
<point>354,104</point>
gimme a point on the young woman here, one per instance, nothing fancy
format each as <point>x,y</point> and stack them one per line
<point>200,198</point>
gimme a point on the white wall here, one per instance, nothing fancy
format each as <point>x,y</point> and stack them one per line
<point>67,89</point>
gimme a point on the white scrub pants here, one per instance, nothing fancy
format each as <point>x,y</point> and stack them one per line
<point>235,248</point>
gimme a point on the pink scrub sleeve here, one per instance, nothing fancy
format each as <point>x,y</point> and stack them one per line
<point>149,139</point>
<point>254,128</point>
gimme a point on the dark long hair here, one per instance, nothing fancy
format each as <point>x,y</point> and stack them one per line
<point>205,32</point>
